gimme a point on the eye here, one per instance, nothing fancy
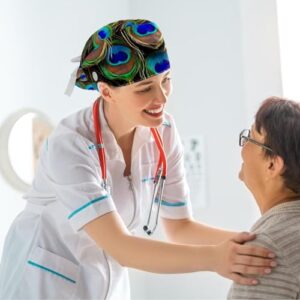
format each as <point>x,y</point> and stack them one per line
<point>167,79</point>
<point>145,90</point>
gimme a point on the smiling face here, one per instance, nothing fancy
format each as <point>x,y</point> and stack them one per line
<point>270,154</point>
<point>254,164</point>
<point>141,103</point>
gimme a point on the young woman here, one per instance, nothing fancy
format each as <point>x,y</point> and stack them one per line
<point>95,181</point>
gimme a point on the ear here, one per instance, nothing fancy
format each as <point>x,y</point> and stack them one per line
<point>275,166</point>
<point>106,91</point>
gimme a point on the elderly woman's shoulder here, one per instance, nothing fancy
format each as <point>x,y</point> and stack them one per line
<point>280,229</point>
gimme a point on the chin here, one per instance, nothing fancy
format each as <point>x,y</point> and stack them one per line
<point>153,122</point>
<point>157,123</point>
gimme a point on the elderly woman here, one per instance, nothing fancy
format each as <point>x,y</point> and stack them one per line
<point>271,171</point>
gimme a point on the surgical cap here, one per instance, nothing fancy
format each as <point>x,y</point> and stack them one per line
<point>122,53</point>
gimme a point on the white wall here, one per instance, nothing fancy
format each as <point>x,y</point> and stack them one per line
<point>224,56</point>
<point>288,25</point>
<point>261,58</point>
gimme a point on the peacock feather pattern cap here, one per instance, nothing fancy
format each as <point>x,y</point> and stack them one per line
<point>122,53</point>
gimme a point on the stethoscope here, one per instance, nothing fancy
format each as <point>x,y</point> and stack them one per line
<point>161,170</point>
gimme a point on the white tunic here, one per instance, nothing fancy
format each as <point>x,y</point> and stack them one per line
<point>47,255</point>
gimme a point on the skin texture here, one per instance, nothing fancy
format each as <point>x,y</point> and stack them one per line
<point>194,246</point>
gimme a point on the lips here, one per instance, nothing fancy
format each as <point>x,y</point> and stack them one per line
<point>154,112</point>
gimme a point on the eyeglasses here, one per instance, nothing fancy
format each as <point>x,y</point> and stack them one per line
<point>245,137</point>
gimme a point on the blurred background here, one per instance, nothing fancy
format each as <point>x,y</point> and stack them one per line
<point>227,56</point>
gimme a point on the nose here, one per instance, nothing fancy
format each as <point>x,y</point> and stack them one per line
<point>243,151</point>
<point>161,96</point>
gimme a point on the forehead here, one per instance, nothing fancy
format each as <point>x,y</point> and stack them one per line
<point>151,79</point>
<point>143,83</point>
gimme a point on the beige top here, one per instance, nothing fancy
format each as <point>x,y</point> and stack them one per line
<point>278,230</point>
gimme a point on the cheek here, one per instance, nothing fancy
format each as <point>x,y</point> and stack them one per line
<point>168,89</point>
<point>246,162</point>
<point>244,153</point>
<point>251,172</point>
<point>138,102</point>
<point>143,101</point>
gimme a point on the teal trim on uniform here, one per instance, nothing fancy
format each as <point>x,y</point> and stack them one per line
<point>94,146</point>
<point>51,271</point>
<point>166,123</point>
<point>147,179</point>
<point>172,204</point>
<point>86,205</point>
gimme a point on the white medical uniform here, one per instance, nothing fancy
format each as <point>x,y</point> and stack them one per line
<point>47,254</point>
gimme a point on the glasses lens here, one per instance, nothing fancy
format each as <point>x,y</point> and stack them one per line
<point>244,135</point>
<point>243,141</point>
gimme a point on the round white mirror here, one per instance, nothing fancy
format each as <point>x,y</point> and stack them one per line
<point>22,136</point>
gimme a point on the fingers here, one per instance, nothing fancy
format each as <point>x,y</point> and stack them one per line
<point>255,251</point>
<point>249,270</point>
<point>239,279</point>
<point>244,237</point>
<point>244,260</point>
<point>255,261</point>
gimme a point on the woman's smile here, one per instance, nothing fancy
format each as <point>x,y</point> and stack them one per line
<point>155,112</point>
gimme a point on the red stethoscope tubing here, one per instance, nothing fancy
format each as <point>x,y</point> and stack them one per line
<point>100,145</point>
<point>162,157</point>
<point>162,163</point>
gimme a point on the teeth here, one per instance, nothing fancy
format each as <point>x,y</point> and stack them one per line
<point>154,111</point>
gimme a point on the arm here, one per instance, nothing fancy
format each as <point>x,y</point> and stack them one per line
<point>111,234</point>
<point>145,254</point>
<point>188,231</point>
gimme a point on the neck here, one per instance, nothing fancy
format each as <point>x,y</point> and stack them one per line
<point>122,131</point>
<point>273,196</point>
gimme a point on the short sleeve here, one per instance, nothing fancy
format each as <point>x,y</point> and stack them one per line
<point>176,197</point>
<point>280,284</point>
<point>75,176</point>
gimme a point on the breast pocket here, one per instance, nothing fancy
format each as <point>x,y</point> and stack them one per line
<point>50,276</point>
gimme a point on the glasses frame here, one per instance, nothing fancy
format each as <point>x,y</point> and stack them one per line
<point>245,135</point>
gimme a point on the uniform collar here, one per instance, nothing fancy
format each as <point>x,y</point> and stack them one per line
<point>113,151</point>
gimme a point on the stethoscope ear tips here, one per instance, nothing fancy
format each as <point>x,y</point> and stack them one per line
<point>147,230</point>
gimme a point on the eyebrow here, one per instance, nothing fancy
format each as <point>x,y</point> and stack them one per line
<point>150,81</point>
<point>144,83</point>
